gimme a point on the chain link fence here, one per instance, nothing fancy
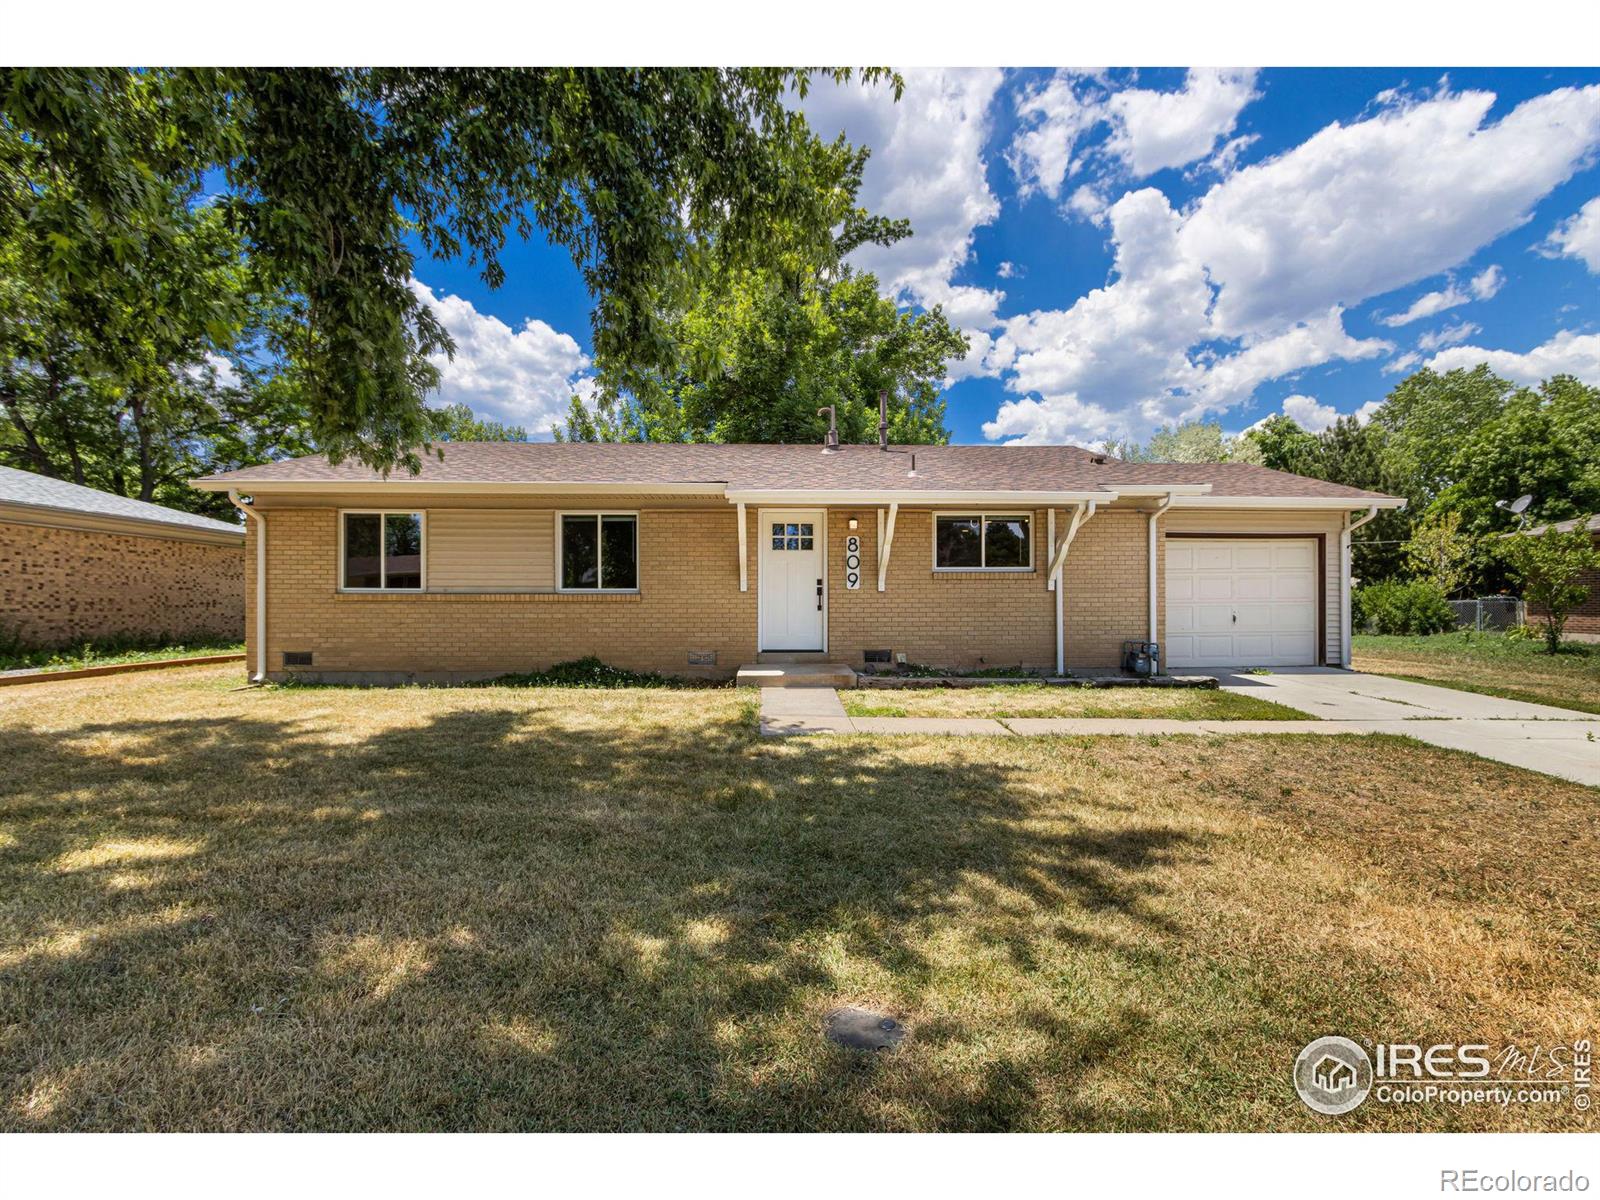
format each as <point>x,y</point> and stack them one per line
<point>1489,612</point>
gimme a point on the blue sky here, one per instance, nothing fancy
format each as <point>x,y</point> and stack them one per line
<point>1129,248</point>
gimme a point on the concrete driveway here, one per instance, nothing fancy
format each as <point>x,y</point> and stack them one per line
<point>1540,737</point>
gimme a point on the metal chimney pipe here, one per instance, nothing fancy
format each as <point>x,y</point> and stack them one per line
<point>832,440</point>
<point>883,420</point>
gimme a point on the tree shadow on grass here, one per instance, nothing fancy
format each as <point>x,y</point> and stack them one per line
<point>494,919</point>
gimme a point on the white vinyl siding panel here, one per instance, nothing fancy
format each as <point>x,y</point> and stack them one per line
<point>491,550</point>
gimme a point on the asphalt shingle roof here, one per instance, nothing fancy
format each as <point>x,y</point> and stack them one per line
<point>739,467</point>
<point>41,491</point>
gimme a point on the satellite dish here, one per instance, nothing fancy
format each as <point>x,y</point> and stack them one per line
<point>1517,506</point>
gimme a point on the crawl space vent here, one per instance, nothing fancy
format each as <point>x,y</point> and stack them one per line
<point>297,658</point>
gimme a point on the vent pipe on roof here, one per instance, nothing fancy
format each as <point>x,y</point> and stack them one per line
<point>883,420</point>
<point>832,440</point>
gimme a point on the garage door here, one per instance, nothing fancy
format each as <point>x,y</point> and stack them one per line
<point>1241,603</point>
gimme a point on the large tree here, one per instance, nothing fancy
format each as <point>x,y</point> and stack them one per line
<point>757,348</point>
<point>331,175</point>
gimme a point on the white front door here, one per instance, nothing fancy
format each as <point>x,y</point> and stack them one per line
<point>1241,602</point>
<point>792,569</point>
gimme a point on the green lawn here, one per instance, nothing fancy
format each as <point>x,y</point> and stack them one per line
<point>1490,663</point>
<point>106,654</point>
<point>1043,700</point>
<point>551,908</point>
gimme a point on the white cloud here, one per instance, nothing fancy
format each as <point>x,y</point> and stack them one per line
<point>1267,259</point>
<point>1362,209</point>
<point>1577,237</point>
<point>1152,131</point>
<point>1366,411</point>
<point>1567,353</point>
<point>927,166</point>
<point>1487,282</point>
<point>1149,130</point>
<point>1008,270</point>
<point>1119,361</point>
<point>1054,117</point>
<point>1482,286</point>
<point>521,376</point>
<point>1308,413</point>
<point>1448,336</point>
<point>1402,363</point>
<point>1089,204</point>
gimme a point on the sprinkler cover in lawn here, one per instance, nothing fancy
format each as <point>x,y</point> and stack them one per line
<point>859,1029</point>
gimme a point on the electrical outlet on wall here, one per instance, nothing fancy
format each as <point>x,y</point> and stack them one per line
<point>900,657</point>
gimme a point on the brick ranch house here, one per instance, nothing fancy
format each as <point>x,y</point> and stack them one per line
<point>78,565</point>
<point>1583,623</point>
<point>697,559</point>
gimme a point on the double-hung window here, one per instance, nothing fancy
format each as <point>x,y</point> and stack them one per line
<point>381,551</point>
<point>599,552</point>
<point>983,542</point>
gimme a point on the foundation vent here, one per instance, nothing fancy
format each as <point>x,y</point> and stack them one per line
<point>297,658</point>
<point>875,656</point>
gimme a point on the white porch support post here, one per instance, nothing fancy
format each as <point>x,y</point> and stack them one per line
<point>885,543</point>
<point>261,584</point>
<point>744,553</point>
<point>1081,512</point>
<point>1050,540</point>
<point>1155,516</point>
<point>1344,582</point>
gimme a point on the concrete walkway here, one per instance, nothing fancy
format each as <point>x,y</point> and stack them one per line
<point>1538,737</point>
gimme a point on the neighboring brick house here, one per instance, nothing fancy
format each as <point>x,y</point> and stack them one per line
<point>79,565</point>
<point>1584,621</point>
<point>697,559</point>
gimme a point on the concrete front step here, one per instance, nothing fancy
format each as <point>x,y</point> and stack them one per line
<point>788,675</point>
<point>767,658</point>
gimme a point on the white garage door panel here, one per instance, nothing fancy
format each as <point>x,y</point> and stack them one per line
<point>1241,602</point>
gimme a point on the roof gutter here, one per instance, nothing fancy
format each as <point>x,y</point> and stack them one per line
<point>867,497</point>
<point>1304,503</point>
<point>520,487</point>
<point>261,585</point>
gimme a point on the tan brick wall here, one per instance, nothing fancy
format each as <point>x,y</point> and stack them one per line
<point>690,600</point>
<point>72,585</point>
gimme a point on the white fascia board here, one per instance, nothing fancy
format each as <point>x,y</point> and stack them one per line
<point>916,498</point>
<point>1302,503</point>
<point>1131,491</point>
<point>280,487</point>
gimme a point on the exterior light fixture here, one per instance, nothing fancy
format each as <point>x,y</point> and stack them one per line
<point>854,524</point>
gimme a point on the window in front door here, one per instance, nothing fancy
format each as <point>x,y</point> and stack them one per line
<point>793,535</point>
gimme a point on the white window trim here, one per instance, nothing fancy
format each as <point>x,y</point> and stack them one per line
<point>383,569</point>
<point>599,550</point>
<point>983,518</point>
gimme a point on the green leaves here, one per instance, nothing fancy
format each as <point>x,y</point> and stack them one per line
<point>332,172</point>
<point>1554,569</point>
<point>758,338</point>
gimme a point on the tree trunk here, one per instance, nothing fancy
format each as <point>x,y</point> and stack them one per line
<point>36,452</point>
<point>147,471</point>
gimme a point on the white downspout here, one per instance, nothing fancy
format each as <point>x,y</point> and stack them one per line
<point>1155,515</point>
<point>261,585</point>
<point>1344,582</point>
